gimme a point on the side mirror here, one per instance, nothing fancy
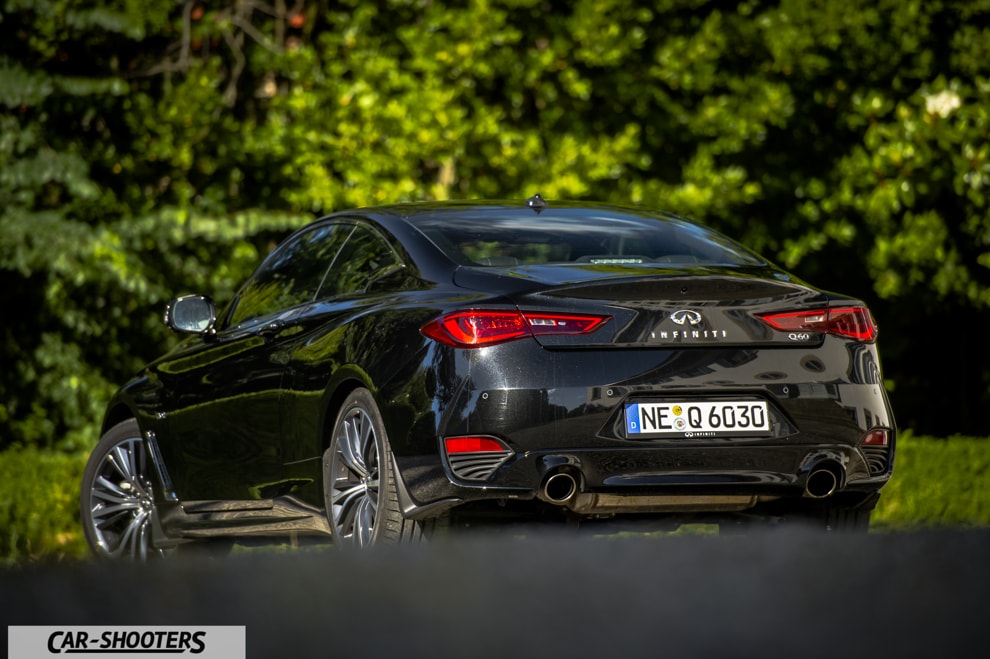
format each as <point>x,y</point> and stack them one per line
<point>193,314</point>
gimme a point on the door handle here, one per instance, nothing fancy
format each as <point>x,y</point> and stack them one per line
<point>271,330</point>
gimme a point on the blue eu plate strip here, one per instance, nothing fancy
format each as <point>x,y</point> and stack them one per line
<point>632,418</point>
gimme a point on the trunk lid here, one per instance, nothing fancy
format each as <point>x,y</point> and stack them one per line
<point>674,307</point>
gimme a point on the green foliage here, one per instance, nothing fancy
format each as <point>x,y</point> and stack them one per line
<point>937,482</point>
<point>39,505</point>
<point>149,149</point>
<point>102,217</point>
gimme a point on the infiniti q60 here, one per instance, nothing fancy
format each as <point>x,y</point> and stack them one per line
<point>388,372</point>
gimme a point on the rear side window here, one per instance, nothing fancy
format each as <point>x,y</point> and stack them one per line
<point>364,257</point>
<point>327,261</point>
<point>291,275</point>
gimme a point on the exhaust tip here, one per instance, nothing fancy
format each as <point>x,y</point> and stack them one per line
<point>559,488</point>
<point>822,482</point>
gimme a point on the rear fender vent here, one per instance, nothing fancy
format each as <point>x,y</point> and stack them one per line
<point>477,466</point>
<point>877,459</point>
<point>475,457</point>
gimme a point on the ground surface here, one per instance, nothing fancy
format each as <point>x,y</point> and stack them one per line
<point>768,594</point>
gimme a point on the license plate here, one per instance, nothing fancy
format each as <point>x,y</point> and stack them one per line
<point>697,419</point>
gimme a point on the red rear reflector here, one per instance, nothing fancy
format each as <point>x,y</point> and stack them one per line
<point>473,445</point>
<point>850,322</point>
<point>477,328</point>
<point>877,437</point>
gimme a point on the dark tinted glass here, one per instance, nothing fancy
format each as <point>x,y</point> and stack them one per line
<point>291,274</point>
<point>597,237</point>
<point>365,256</point>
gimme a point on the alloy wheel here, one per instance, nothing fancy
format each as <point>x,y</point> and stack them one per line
<point>355,479</point>
<point>121,503</point>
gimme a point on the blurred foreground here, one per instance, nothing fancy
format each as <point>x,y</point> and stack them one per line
<point>899,595</point>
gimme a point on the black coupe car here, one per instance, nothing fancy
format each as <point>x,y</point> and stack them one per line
<point>386,369</point>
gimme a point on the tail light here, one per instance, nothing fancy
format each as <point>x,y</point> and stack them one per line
<point>476,328</point>
<point>849,322</point>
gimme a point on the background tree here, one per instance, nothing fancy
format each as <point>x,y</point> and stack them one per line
<point>160,147</point>
<point>108,203</point>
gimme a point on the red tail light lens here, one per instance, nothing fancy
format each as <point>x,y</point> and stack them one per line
<point>877,437</point>
<point>854,322</point>
<point>473,329</point>
<point>476,328</point>
<point>849,322</point>
<point>473,445</point>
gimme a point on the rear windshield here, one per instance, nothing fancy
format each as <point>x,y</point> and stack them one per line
<point>488,238</point>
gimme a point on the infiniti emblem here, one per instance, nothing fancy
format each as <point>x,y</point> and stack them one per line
<point>682,316</point>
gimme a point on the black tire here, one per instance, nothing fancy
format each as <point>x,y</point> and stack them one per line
<point>841,513</point>
<point>850,518</point>
<point>116,500</point>
<point>359,480</point>
<point>847,512</point>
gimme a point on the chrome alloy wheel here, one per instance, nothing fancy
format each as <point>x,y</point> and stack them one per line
<point>354,474</point>
<point>120,502</point>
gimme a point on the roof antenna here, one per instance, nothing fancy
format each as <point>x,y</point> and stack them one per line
<point>537,203</point>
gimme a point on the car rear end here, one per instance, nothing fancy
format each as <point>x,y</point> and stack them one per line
<point>624,383</point>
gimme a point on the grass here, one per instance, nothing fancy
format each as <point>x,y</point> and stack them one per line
<point>937,482</point>
<point>39,505</point>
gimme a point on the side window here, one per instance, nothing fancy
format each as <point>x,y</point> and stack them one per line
<point>365,256</point>
<point>291,274</point>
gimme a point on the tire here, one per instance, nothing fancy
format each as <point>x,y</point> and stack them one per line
<point>359,480</point>
<point>116,501</point>
<point>843,514</point>
<point>850,518</point>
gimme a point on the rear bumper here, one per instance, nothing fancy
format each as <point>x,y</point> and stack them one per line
<point>653,479</point>
<point>562,413</point>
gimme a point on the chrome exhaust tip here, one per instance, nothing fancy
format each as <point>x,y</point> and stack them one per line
<point>559,488</point>
<point>821,483</point>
